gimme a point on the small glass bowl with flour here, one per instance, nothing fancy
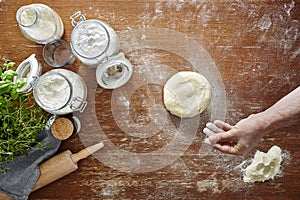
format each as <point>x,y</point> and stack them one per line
<point>58,91</point>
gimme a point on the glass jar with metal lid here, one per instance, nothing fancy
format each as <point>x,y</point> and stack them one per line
<point>60,92</point>
<point>92,41</point>
<point>39,23</point>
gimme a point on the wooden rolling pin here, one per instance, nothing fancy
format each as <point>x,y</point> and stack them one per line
<point>4,196</point>
<point>62,165</point>
<point>59,166</point>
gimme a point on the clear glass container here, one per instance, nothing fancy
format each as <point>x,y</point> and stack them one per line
<point>60,92</point>
<point>39,23</point>
<point>92,41</point>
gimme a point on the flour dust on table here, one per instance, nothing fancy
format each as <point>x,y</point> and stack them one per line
<point>179,133</point>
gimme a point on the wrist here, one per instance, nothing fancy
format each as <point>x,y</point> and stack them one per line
<point>267,121</point>
<point>259,123</point>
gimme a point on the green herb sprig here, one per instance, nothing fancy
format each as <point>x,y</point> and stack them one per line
<point>21,119</point>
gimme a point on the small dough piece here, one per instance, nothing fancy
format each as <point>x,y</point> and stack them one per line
<point>187,94</point>
<point>264,165</point>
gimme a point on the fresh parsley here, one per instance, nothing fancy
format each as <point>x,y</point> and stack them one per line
<point>21,119</point>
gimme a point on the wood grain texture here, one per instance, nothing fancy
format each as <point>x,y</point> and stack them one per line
<point>255,46</point>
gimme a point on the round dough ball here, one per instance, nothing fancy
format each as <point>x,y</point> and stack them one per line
<point>187,94</point>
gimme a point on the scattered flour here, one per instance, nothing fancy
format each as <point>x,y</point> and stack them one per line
<point>289,7</point>
<point>207,186</point>
<point>265,22</point>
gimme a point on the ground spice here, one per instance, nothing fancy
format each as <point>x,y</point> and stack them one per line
<point>62,128</point>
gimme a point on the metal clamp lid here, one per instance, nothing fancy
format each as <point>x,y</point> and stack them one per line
<point>77,15</point>
<point>78,104</point>
<point>29,69</point>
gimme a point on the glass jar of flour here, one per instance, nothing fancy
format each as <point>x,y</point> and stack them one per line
<point>60,92</point>
<point>39,23</point>
<point>92,41</point>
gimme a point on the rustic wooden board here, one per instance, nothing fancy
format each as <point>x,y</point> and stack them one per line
<point>255,48</point>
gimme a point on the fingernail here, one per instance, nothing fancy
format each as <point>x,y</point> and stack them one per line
<point>208,124</point>
<point>206,141</point>
<point>213,139</point>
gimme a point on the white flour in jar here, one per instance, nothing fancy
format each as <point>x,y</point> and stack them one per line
<point>53,91</point>
<point>39,23</point>
<point>93,41</point>
<point>44,29</point>
<point>60,92</point>
<point>28,17</point>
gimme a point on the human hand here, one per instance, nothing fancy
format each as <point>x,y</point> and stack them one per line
<point>238,139</point>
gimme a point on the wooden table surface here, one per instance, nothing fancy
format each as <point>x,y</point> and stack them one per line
<point>248,50</point>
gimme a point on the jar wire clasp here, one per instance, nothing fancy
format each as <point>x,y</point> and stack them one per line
<point>77,16</point>
<point>78,104</point>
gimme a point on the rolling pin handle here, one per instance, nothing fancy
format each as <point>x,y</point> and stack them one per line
<point>86,152</point>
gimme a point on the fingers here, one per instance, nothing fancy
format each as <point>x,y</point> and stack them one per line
<point>207,141</point>
<point>211,129</point>
<point>233,148</point>
<point>222,125</point>
<point>215,132</point>
<point>222,139</point>
<point>217,127</point>
<point>222,136</point>
<point>223,148</point>
<point>208,132</point>
<point>228,148</point>
<point>214,127</point>
<point>226,143</point>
